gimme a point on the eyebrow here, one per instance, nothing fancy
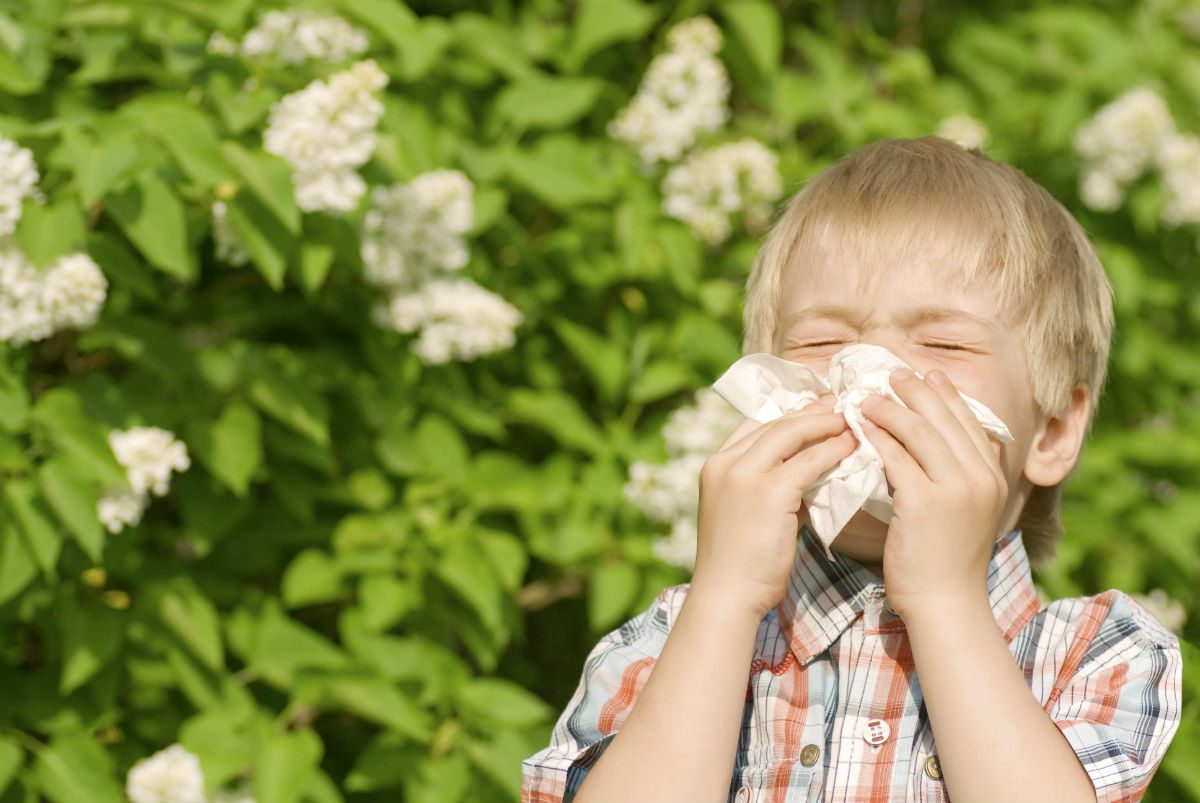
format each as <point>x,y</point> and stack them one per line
<point>914,317</point>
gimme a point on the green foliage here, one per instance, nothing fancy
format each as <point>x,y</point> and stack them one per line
<point>348,595</point>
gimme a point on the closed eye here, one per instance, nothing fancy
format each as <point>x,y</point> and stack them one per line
<point>947,346</point>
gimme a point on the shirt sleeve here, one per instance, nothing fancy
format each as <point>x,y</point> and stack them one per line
<point>614,674</point>
<point>1122,706</point>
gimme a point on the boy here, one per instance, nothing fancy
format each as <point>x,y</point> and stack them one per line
<point>951,683</point>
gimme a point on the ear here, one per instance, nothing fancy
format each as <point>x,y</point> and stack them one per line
<point>1058,441</point>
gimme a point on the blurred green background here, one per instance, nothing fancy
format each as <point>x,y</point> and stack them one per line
<point>386,349</point>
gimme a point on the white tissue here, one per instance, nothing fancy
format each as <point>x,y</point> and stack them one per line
<point>764,387</point>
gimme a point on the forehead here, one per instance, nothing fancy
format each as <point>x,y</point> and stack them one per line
<point>826,271</point>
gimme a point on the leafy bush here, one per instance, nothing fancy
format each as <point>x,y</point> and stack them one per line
<point>330,339</point>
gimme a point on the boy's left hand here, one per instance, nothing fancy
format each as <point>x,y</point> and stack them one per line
<point>949,492</point>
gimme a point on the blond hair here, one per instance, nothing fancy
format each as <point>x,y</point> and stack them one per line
<point>895,199</point>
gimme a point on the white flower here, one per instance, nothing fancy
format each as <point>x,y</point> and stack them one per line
<point>326,131</point>
<point>412,230</point>
<point>18,181</point>
<point>35,304</point>
<point>299,35</point>
<point>670,492</point>
<point>1121,141</point>
<point>1170,612</point>
<point>149,455</point>
<point>684,92</point>
<point>221,45</point>
<point>1100,191</point>
<point>965,130</point>
<point>710,185</point>
<point>229,247</point>
<point>172,775</point>
<point>457,319</point>
<point>679,547</point>
<point>1179,164</point>
<point>118,508</point>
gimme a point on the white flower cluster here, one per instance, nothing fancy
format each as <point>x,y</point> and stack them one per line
<point>1167,610</point>
<point>1179,166</point>
<point>684,92</point>
<point>413,235</point>
<point>299,35</point>
<point>964,129</point>
<point>18,181</point>
<point>414,229</point>
<point>149,455</point>
<point>174,775</point>
<point>457,319</point>
<point>1119,143</point>
<point>35,304</point>
<point>326,131</point>
<point>712,184</point>
<point>670,492</point>
<point>230,248</point>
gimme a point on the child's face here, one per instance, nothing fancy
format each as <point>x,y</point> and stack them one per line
<point>912,310</point>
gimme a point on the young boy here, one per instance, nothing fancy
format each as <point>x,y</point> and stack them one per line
<point>918,664</point>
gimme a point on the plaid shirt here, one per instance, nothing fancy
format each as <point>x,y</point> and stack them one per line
<point>834,711</point>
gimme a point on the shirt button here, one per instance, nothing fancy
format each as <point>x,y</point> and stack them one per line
<point>876,732</point>
<point>809,755</point>
<point>743,794</point>
<point>933,768</point>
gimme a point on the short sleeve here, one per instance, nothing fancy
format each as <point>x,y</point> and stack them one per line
<point>614,674</point>
<point>1121,708</point>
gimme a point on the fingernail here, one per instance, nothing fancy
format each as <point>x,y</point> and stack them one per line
<point>900,374</point>
<point>936,377</point>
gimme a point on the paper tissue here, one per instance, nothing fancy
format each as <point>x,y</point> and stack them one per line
<point>764,387</point>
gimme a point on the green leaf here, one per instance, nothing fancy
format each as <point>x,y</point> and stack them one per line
<point>385,600</point>
<point>42,538</point>
<point>559,414</point>
<point>69,491</point>
<point>563,172</point>
<point>60,415</point>
<point>757,26</point>
<point>279,647</point>
<point>604,360</point>
<point>231,447</point>
<point>498,755</point>
<point>387,760</point>
<point>14,398</point>
<point>17,567</point>
<point>599,23</point>
<point>192,618</point>
<point>265,238</point>
<point>495,700</point>
<point>659,379</point>
<point>290,401</point>
<point>47,232</point>
<point>270,179</point>
<point>548,102</point>
<point>74,769</point>
<point>285,765</point>
<point>378,700</point>
<point>614,589</point>
<point>152,217</point>
<point>189,135</point>
<point>434,447</point>
<point>91,636</point>
<point>465,569</point>
<point>311,577</point>
<point>11,757</point>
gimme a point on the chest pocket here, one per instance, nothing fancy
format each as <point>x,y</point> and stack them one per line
<point>758,782</point>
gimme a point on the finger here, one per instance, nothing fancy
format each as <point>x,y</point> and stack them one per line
<point>987,448</point>
<point>747,425</point>
<point>821,405</point>
<point>923,399</point>
<point>803,468</point>
<point>789,435</point>
<point>920,438</point>
<point>900,468</point>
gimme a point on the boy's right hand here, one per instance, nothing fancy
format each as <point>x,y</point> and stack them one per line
<point>751,502</point>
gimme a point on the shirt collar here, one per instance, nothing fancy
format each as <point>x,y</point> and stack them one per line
<point>825,596</point>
